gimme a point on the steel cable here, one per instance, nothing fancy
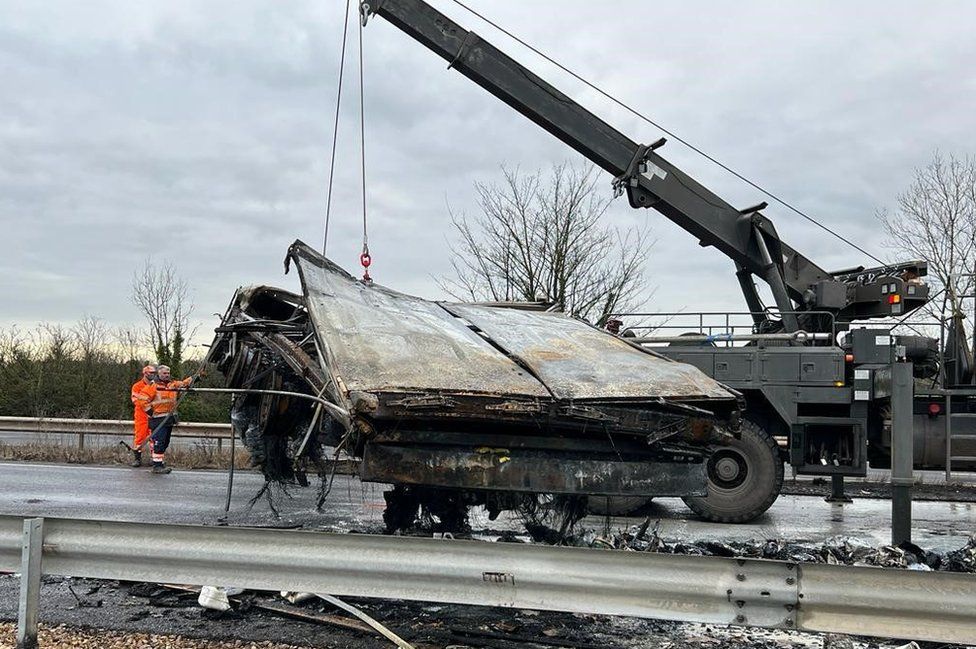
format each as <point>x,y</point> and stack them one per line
<point>335,129</point>
<point>670,133</point>
<point>362,144</point>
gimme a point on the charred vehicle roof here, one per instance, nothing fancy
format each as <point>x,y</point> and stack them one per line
<point>480,398</point>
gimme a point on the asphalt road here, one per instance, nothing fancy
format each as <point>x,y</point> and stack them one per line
<point>197,497</point>
<point>190,497</point>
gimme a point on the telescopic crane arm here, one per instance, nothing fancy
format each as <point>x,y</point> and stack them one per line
<point>745,235</point>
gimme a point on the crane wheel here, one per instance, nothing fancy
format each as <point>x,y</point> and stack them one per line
<point>745,476</point>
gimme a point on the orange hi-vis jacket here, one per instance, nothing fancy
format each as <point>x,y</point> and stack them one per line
<point>163,396</point>
<point>142,395</point>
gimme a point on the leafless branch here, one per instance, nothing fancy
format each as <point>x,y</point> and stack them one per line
<point>936,221</point>
<point>163,297</point>
<point>544,239</point>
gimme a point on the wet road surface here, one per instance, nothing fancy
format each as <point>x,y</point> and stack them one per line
<point>183,497</point>
<point>197,497</point>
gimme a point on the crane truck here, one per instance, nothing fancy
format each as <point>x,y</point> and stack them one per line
<point>816,381</point>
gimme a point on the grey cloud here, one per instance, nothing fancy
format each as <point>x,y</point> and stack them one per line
<point>200,132</point>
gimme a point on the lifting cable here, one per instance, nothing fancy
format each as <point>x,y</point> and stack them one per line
<point>656,125</point>
<point>335,130</point>
<point>364,258</point>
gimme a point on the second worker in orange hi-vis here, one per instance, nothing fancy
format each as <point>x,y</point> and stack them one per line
<point>163,418</point>
<point>140,412</point>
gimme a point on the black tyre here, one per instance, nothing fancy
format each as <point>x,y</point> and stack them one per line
<point>616,505</point>
<point>745,476</point>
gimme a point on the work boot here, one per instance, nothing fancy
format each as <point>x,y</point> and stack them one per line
<point>161,469</point>
<point>136,458</point>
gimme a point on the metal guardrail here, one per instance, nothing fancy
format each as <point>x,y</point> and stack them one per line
<point>106,427</point>
<point>749,592</point>
<point>722,328</point>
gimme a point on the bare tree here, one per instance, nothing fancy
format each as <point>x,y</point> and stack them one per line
<point>164,299</point>
<point>12,342</point>
<point>91,336</point>
<point>936,221</point>
<point>131,343</point>
<point>543,239</point>
<point>58,343</point>
<point>97,367</point>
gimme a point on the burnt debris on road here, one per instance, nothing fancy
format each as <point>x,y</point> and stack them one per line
<point>841,550</point>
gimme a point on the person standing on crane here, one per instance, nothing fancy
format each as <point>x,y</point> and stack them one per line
<point>163,417</point>
<point>141,410</point>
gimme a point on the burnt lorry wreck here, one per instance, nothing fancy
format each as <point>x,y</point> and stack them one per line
<point>458,404</point>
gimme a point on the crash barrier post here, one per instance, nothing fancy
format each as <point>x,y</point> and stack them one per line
<point>30,583</point>
<point>936,606</point>
<point>902,451</point>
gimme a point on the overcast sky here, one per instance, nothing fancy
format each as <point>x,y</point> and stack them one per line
<point>199,132</point>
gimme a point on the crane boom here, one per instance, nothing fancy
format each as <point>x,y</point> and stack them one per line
<point>746,236</point>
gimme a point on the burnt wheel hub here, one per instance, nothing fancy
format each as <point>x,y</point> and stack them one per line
<point>727,469</point>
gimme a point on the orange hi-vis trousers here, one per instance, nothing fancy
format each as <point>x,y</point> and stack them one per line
<point>140,422</point>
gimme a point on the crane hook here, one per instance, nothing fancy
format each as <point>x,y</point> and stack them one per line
<point>365,259</point>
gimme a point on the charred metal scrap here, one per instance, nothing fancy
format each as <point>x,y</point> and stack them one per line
<point>474,403</point>
<point>837,550</point>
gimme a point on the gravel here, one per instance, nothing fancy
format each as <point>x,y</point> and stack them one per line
<point>64,637</point>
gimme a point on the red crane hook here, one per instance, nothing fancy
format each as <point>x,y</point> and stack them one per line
<point>365,259</point>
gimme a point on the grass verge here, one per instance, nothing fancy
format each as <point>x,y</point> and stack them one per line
<point>201,454</point>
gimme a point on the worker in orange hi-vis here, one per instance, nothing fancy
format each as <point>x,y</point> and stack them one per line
<point>141,407</point>
<point>163,416</point>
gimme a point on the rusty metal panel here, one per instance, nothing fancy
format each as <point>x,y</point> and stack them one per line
<point>379,340</point>
<point>520,470</point>
<point>577,361</point>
